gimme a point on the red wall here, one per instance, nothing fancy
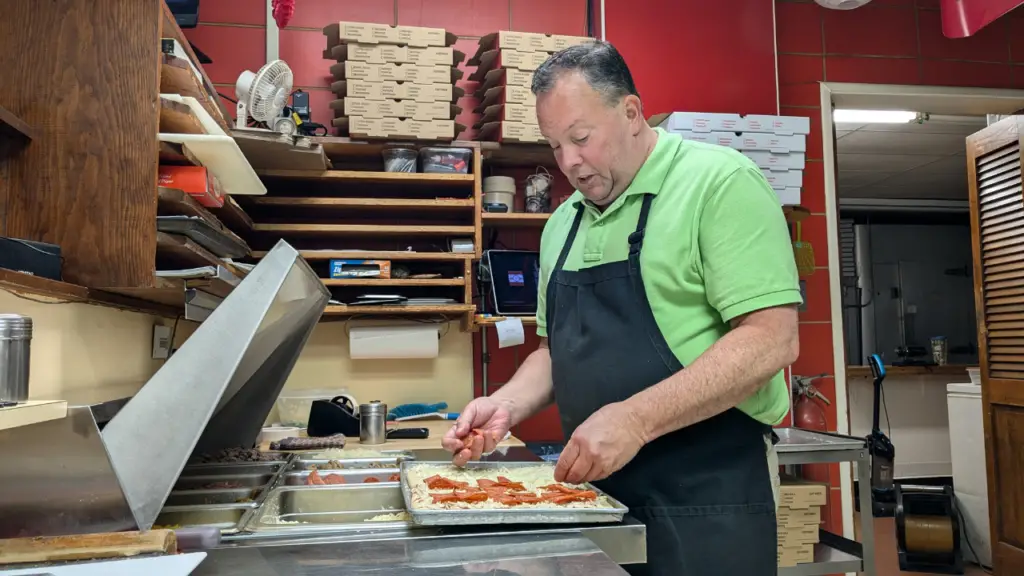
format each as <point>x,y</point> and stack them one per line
<point>685,55</point>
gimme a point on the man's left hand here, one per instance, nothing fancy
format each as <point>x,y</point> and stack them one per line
<point>601,446</point>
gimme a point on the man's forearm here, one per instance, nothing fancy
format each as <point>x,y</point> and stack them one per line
<point>727,373</point>
<point>530,389</point>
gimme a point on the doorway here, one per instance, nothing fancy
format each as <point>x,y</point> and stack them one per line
<point>853,197</point>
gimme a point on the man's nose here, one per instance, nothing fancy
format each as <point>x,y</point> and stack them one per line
<point>570,158</point>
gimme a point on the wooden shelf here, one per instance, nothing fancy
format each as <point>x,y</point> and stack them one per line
<point>445,309</point>
<point>364,203</point>
<point>947,370</point>
<point>27,284</point>
<point>170,292</point>
<point>514,155</point>
<point>403,178</point>
<point>346,148</point>
<point>174,202</point>
<point>32,412</point>
<point>377,255</point>
<point>481,320</point>
<point>514,219</point>
<point>394,281</point>
<point>367,229</point>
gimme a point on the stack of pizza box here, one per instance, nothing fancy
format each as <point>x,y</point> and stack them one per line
<point>394,81</point>
<point>799,520</point>
<point>505,63</point>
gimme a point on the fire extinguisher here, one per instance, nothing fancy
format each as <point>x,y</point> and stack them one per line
<point>808,413</point>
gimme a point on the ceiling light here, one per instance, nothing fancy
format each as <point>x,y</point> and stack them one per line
<point>874,116</point>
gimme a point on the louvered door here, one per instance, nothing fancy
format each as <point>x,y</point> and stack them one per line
<point>997,231</point>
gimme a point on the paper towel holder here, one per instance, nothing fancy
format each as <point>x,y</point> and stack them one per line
<point>394,342</point>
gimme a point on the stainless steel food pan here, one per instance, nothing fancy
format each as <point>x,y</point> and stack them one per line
<point>381,475</point>
<point>222,482</point>
<point>227,517</point>
<point>209,497</point>
<point>230,469</point>
<point>289,508</point>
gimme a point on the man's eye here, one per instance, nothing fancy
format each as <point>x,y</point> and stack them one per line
<point>581,140</point>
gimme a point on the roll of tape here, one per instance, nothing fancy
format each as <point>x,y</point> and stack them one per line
<point>928,534</point>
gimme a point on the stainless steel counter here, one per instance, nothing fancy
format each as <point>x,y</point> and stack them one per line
<point>534,554</point>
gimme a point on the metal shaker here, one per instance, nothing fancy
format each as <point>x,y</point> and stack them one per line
<point>15,352</point>
<point>372,418</point>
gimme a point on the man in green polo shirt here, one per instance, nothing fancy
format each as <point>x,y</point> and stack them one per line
<point>667,309</point>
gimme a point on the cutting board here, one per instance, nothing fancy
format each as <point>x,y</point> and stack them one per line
<point>176,565</point>
<point>87,546</point>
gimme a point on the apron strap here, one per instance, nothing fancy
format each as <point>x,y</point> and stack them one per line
<point>569,240</point>
<point>636,239</point>
<point>650,324</point>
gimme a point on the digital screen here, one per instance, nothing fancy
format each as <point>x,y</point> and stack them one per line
<point>515,279</point>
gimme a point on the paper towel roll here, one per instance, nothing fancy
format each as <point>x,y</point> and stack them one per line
<point>367,342</point>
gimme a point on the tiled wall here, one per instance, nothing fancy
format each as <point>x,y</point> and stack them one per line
<point>235,37</point>
<point>885,42</point>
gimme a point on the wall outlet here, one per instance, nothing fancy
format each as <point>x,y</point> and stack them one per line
<point>161,342</point>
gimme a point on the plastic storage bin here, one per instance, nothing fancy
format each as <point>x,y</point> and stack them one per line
<point>399,159</point>
<point>293,406</point>
<point>446,160</point>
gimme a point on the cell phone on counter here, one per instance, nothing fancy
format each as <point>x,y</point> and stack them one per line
<point>408,433</point>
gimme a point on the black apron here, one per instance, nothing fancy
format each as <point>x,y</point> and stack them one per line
<point>704,491</point>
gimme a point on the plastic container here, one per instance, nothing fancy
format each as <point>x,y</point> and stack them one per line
<point>399,159</point>
<point>975,374</point>
<point>500,190</point>
<point>293,406</point>
<point>446,160</point>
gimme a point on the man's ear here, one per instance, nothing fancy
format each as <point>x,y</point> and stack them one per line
<point>634,111</point>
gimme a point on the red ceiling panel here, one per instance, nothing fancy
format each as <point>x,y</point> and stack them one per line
<point>872,70</point>
<point>871,30</point>
<point>976,74</point>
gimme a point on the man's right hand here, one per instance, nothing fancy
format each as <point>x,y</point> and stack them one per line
<point>488,416</point>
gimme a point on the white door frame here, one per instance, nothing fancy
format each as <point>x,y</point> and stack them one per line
<point>931,99</point>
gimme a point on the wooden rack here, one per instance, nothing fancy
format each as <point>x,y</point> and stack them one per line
<point>358,211</point>
<point>104,218</point>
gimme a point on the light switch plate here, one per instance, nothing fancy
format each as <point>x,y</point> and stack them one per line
<point>161,341</point>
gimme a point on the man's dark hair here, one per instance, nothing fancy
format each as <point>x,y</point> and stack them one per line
<point>600,64</point>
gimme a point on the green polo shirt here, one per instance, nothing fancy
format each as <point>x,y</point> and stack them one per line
<point>716,247</point>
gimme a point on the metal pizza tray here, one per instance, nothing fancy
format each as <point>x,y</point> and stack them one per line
<point>521,515</point>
